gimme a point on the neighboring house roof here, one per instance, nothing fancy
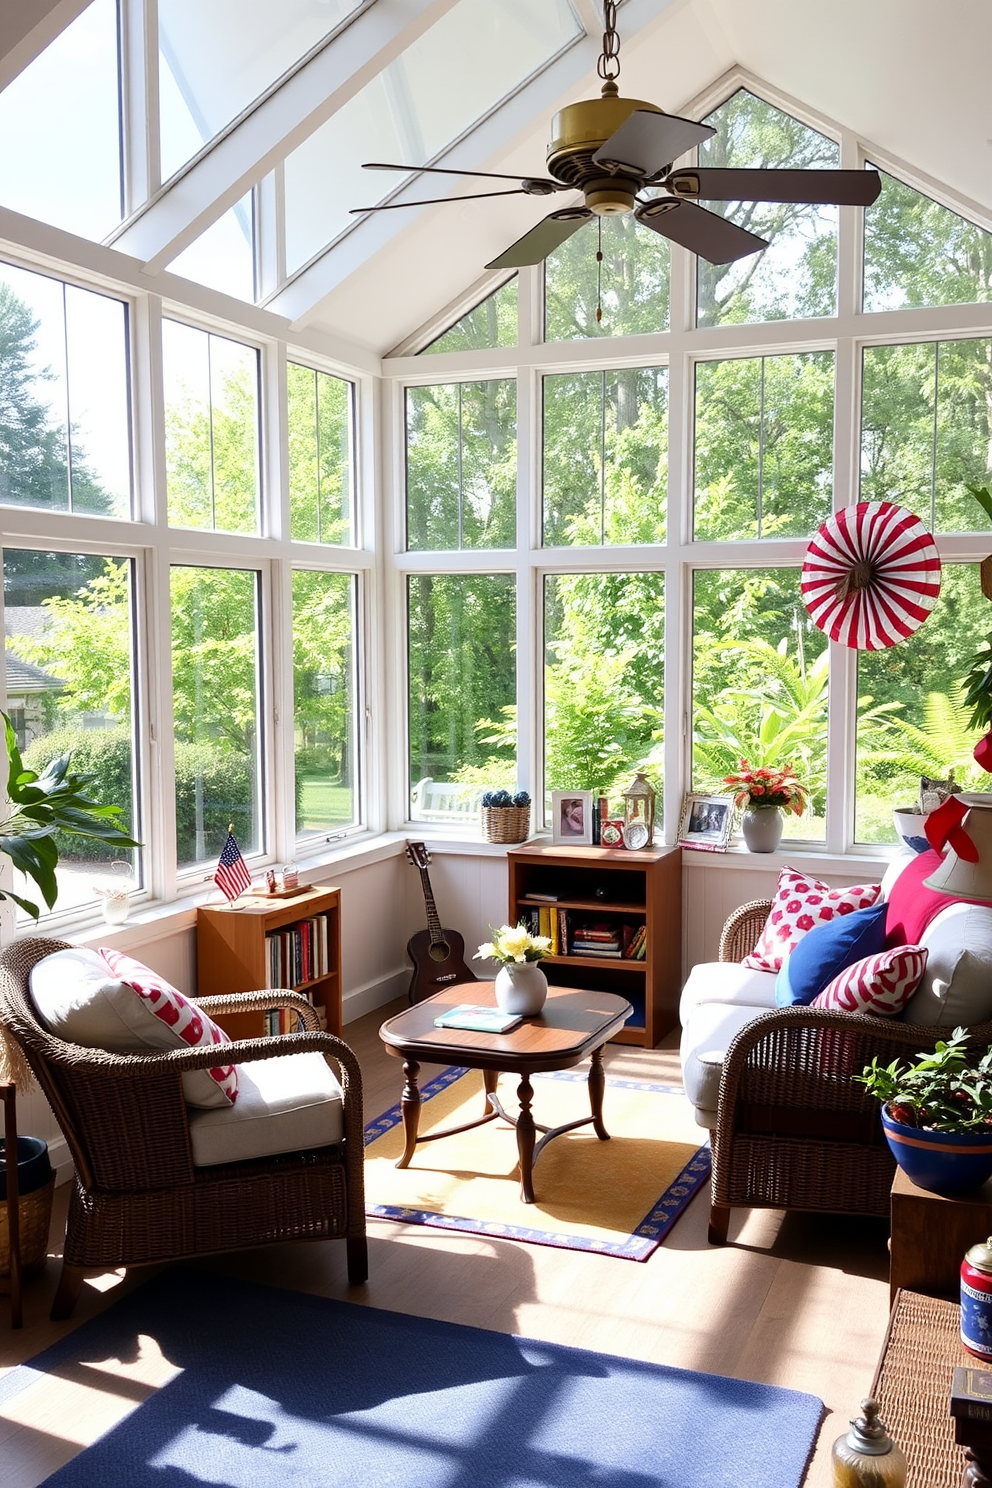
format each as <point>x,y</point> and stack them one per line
<point>24,677</point>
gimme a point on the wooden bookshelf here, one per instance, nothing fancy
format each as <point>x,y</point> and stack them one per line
<point>232,956</point>
<point>617,888</point>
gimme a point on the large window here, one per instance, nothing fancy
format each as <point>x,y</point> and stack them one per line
<point>912,720</point>
<point>211,429</point>
<point>70,687</point>
<point>919,253</point>
<point>608,279</point>
<point>764,445</point>
<point>796,275</point>
<point>926,429</point>
<point>759,684</point>
<point>64,397</point>
<point>324,701</point>
<point>605,457</point>
<point>461,465</point>
<point>321,466</point>
<point>216,702</point>
<point>604,678</point>
<point>462,688</point>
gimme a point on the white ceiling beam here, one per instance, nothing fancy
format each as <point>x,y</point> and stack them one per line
<point>239,158</point>
<point>27,27</point>
<point>299,299</point>
<point>43,248</point>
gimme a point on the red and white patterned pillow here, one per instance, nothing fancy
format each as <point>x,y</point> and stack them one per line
<point>801,902</point>
<point>881,984</point>
<point>190,1024</point>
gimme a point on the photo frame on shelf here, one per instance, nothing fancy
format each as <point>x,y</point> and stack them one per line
<point>571,817</point>
<point>706,822</point>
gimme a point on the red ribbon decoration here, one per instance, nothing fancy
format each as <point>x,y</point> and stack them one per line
<point>944,826</point>
<point>983,751</point>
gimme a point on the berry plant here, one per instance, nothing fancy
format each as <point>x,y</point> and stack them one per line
<point>944,1091</point>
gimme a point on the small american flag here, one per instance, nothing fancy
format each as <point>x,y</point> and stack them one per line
<point>232,877</point>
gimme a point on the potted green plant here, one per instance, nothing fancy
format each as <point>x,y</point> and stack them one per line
<point>937,1114</point>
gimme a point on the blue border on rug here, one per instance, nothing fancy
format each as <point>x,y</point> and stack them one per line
<point>640,1245</point>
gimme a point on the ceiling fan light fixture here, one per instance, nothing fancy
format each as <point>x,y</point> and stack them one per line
<point>611,198</point>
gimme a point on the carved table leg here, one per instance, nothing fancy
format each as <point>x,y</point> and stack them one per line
<point>410,1106</point>
<point>597,1087</point>
<point>490,1078</point>
<point>525,1140</point>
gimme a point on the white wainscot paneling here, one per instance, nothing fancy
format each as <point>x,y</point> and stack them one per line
<point>471,895</point>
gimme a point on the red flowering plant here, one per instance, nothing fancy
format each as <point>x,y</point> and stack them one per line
<point>768,787</point>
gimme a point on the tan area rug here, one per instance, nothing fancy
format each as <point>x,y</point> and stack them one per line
<point>618,1198</point>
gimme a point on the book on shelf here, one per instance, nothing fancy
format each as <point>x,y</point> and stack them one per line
<point>603,951</point>
<point>298,953</point>
<point>634,951</point>
<point>478,1019</point>
<point>545,898</point>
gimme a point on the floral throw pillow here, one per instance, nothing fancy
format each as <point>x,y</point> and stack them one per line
<point>881,984</point>
<point>800,902</point>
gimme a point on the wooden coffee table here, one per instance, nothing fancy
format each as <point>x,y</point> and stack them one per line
<point>574,1025</point>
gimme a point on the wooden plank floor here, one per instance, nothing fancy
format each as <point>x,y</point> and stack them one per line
<point>794,1300</point>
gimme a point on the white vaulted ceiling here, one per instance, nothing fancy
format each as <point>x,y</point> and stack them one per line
<point>908,77</point>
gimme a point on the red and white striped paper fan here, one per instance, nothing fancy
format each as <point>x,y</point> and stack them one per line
<point>871,575</point>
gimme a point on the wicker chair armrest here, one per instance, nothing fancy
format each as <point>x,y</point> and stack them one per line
<point>795,1044</point>
<point>741,931</point>
<point>259,1002</point>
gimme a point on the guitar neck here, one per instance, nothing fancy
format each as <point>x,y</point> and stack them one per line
<point>433,920</point>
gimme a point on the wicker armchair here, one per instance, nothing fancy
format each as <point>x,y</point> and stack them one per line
<point>793,1129</point>
<point>136,1197</point>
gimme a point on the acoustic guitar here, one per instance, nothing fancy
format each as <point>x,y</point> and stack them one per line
<point>438,955</point>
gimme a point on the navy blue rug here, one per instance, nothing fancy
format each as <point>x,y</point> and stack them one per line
<point>283,1390</point>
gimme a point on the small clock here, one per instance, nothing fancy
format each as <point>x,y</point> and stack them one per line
<point>636,834</point>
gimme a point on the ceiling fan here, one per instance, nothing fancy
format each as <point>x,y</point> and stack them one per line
<point>612,149</point>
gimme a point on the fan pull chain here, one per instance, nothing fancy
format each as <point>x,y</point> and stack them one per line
<point>599,273</point>
<point>608,65</point>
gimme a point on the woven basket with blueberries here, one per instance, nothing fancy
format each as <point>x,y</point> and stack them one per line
<point>505,818</point>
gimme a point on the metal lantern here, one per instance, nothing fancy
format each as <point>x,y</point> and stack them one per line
<point>638,812</point>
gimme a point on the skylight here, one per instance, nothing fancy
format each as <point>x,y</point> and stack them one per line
<point>415,108</point>
<point>217,56</point>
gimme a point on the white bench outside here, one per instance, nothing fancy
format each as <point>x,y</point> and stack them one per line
<point>444,801</point>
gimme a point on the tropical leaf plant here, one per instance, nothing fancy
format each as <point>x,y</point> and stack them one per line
<point>40,806</point>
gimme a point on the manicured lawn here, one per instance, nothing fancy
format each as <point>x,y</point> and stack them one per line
<point>324,804</point>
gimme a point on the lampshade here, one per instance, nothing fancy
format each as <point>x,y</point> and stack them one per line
<point>957,876</point>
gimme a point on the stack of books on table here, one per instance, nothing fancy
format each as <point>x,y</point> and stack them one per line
<point>596,940</point>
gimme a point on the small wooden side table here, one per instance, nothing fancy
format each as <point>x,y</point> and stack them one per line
<point>9,1092</point>
<point>930,1235</point>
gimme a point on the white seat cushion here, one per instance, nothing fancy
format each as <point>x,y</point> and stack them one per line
<point>706,1037</point>
<point>726,981</point>
<point>287,1104</point>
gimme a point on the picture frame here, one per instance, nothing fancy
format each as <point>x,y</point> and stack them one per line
<point>571,817</point>
<point>706,822</point>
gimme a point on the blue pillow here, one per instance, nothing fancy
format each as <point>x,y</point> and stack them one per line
<point>826,950</point>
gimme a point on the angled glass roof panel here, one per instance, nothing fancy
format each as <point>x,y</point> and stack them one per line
<point>60,120</point>
<point>223,257</point>
<point>217,56</point>
<point>416,107</point>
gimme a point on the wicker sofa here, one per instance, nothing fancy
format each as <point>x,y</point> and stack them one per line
<point>137,1195</point>
<point>792,1129</point>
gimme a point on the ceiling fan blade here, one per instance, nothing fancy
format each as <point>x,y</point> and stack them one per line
<point>646,142</point>
<point>441,170</point>
<point>433,201</point>
<point>543,239</point>
<point>844,188</point>
<point>702,232</point>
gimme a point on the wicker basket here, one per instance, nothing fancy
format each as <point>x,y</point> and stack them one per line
<point>35,1213</point>
<point>505,823</point>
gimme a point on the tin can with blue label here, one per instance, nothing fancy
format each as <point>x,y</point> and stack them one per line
<point>976,1300</point>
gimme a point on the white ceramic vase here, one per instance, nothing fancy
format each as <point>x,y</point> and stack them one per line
<point>521,987</point>
<point>762,828</point>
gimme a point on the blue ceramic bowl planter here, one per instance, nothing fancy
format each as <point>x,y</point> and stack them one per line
<point>946,1163</point>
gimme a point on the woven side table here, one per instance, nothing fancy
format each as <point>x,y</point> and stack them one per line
<point>912,1385</point>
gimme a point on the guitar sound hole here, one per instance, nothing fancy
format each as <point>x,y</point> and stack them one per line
<point>441,951</point>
